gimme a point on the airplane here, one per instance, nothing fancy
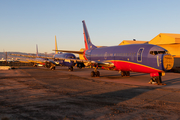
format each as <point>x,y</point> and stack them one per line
<point>65,62</point>
<point>144,58</point>
<point>37,60</point>
<point>59,59</point>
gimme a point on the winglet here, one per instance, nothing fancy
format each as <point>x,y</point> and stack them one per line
<point>87,40</point>
<point>56,52</point>
<point>36,50</point>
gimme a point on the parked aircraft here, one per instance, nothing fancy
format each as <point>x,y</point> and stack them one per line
<point>59,59</point>
<point>65,61</point>
<point>42,61</point>
<point>37,60</point>
<point>144,58</point>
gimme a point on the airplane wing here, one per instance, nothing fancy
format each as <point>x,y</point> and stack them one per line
<point>47,58</point>
<point>31,58</point>
<point>21,55</point>
<point>68,51</point>
<point>89,63</point>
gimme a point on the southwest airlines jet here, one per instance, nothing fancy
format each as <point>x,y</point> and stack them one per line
<point>59,59</point>
<point>144,58</point>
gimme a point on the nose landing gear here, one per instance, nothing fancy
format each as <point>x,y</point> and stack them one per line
<point>156,79</point>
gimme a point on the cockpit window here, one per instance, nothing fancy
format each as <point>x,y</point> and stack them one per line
<point>158,52</point>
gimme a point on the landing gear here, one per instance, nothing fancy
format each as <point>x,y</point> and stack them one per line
<point>53,68</point>
<point>156,80</point>
<point>48,65</point>
<point>95,73</point>
<point>71,68</point>
<point>80,65</point>
<point>92,74</point>
<point>125,73</point>
<point>34,65</point>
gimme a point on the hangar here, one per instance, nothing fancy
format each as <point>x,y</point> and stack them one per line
<point>171,42</point>
<point>126,42</point>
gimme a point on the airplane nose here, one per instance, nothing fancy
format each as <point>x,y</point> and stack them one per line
<point>168,62</point>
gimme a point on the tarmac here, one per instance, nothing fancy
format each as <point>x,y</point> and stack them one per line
<point>171,79</point>
<point>29,93</point>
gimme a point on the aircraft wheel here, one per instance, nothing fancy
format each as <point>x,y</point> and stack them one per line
<point>158,79</point>
<point>71,69</point>
<point>47,64</point>
<point>127,73</point>
<point>35,65</point>
<point>97,73</point>
<point>79,66</point>
<point>92,74</point>
<point>122,73</point>
<point>52,68</point>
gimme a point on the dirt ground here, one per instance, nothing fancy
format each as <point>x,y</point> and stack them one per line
<point>41,94</point>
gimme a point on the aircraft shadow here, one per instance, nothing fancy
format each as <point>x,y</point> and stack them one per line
<point>170,82</point>
<point>109,99</point>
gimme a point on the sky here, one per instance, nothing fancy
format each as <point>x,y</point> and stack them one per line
<point>25,23</point>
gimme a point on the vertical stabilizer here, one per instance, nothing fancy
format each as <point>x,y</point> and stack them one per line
<point>56,52</point>
<point>36,50</point>
<point>87,40</point>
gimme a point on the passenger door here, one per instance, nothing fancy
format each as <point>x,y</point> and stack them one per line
<point>139,54</point>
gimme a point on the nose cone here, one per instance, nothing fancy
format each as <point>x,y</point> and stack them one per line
<point>168,62</point>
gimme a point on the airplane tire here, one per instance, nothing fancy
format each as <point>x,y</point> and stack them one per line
<point>127,73</point>
<point>122,73</point>
<point>47,64</point>
<point>92,74</point>
<point>34,65</point>
<point>71,69</point>
<point>97,73</point>
<point>158,79</point>
<point>79,66</point>
<point>53,68</point>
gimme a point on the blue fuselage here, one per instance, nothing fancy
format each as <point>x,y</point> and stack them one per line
<point>144,58</point>
<point>59,57</point>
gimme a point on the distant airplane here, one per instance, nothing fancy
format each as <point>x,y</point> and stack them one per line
<point>144,58</point>
<point>59,59</point>
<point>62,59</point>
<point>37,60</point>
<point>42,61</point>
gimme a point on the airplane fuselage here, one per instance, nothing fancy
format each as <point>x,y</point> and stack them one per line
<point>145,58</point>
<point>65,56</point>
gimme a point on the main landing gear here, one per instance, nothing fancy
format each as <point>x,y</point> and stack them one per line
<point>34,65</point>
<point>95,73</point>
<point>52,67</point>
<point>125,73</point>
<point>156,79</point>
<point>71,68</point>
